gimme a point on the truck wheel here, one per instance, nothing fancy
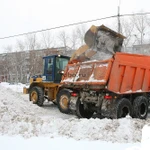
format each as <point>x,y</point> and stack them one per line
<point>140,107</point>
<point>63,100</point>
<point>123,107</point>
<point>36,95</point>
<point>83,112</point>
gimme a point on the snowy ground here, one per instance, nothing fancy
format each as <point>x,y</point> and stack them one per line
<point>25,123</point>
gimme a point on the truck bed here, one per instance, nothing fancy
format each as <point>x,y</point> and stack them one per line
<point>90,73</point>
<point>123,74</point>
<point>130,73</point>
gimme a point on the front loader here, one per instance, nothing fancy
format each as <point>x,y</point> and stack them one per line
<point>46,86</point>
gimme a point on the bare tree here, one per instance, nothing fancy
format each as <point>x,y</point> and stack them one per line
<point>8,48</point>
<point>20,45</point>
<point>74,39</point>
<point>31,42</point>
<point>6,63</point>
<point>14,65</point>
<point>127,31</point>
<point>148,32</point>
<point>35,63</point>
<point>81,30</point>
<point>63,38</point>
<point>32,45</point>
<point>4,67</point>
<point>140,27</point>
<point>20,61</point>
<point>47,39</point>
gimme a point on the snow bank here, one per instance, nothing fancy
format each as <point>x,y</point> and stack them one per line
<point>21,117</point>
<point>18,87</point>
<point>145,142</point>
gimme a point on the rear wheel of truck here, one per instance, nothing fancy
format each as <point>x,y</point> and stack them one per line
<point>123,107</point>
<point>83,111</point>
<point>63,100</point>
<point>36,95</point>
<point>140,107</point>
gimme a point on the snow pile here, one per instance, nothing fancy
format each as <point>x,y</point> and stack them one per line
<point>21,117</point>
<point>145,142</point>
<point>16,87</point>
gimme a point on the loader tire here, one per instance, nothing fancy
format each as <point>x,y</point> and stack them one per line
<point>140,107</point>
<point>63,100</point>
<point>122,108</point>
<point>81,112</point>
<point>36,95</point>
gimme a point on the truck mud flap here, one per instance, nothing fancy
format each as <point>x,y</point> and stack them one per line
<point>72,105</point>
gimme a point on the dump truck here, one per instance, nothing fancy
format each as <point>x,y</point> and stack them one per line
<point>112,88</point>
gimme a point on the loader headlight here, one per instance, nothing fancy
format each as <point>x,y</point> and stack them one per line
<point>61,72</point>
<point>43,78</point>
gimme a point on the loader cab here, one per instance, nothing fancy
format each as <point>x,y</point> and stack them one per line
<point>53,67</point>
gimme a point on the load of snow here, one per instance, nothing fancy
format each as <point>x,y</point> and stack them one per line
<point>21,117</point>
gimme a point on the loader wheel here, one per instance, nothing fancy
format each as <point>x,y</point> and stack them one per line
<point>123,107</point>
<point>82,111</point>
<point>140,107</point>
<point>36,95</point>
<point>63,100</point>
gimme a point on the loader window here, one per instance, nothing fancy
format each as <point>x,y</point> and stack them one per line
<point>50,66</point>
<point>49,69</point>
<point>61,63</point>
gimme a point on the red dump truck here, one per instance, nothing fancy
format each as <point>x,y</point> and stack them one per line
<point>111,88</point>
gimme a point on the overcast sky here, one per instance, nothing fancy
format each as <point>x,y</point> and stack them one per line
<point>19,16</point>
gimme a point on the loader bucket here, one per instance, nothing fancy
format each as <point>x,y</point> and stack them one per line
<point>79,52</point>
<point>98,39</point>
<point>101,38</point>
<point>25,90</point>
<point>84,53</point>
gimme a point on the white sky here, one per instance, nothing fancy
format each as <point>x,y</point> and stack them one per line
<point>19,16</point>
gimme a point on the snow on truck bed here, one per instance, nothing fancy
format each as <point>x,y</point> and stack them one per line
<point>21,117</point>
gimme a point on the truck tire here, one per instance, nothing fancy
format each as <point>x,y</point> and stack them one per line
<point>63,100</point>
<point>81,112</point>
<point>123,107</point>
<point>36,95</point>
<point>140,107</point>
